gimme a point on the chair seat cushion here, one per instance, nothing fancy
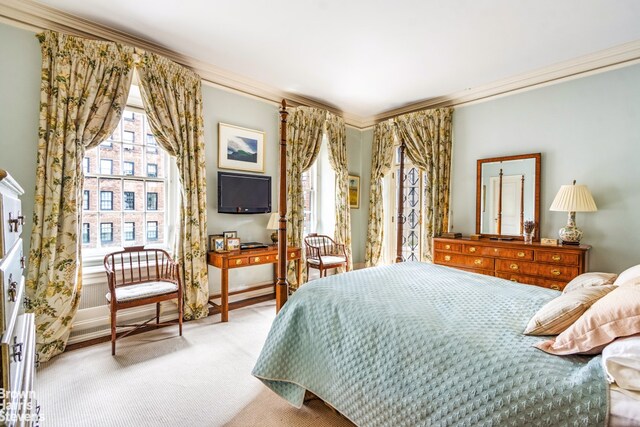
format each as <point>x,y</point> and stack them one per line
<point>142,290</point>
<point>327,259</point>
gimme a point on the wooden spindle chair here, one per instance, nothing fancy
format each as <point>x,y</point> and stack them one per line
<point>139,276</point>
<point>323,253</point>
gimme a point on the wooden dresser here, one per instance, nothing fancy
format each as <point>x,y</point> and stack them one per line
<point>548,266</point>
<point>18,340</point>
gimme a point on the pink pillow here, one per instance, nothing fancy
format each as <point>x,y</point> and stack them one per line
<point>628,275</point>
<point>617,314</point>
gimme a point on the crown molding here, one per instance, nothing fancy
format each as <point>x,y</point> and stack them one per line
<point>36,17</point>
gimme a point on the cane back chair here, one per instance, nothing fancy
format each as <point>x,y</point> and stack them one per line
<point>323,253</point>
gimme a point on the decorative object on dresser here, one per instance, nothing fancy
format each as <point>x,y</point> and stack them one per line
<point>529,228</point>
<point>507,192</point>
<point>533,264</point>
<point>18,344</point>
<point>273,224</point>
<point>572,198</point>
<point>233,244</point>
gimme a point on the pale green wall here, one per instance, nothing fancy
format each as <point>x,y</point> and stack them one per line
<point>19,100</point>
<point>359,163</point>
<point>587,129</point>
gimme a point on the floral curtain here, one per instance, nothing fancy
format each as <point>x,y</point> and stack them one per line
<point>172,99</point>
<point>427,137</point>
<point>305,128</point>
<point>336,135</point>
<point>382,158</point>
<point>84,87</point>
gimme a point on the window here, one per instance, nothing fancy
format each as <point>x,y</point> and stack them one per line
<point>126,200</point>
<point>152,145</point>
<point>85,200</point>
<point>128,168</point>
<point>86,229</point>
<point>129,115</point>
<point>152,201</point>
<point>152,230</point>
<point>152,170</point>
<point>106,166</point>
<point>85,165</point>
<point>106,200</point>
<point>128,138</point>
<point>129,200</point>
<point>130,231</point>
<point>106,232</point>
<point>106,144</point>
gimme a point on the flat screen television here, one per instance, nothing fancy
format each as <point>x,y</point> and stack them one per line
<point>243,194</point>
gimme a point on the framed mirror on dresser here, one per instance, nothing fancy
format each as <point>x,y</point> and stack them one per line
<point>507,195</point>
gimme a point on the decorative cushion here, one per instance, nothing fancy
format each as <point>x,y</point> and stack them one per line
<point>559,313</point>
<point>590,279</point>
<point>621,361</point>
<point>327,259</point>
<point>627,275</point>
<point>615,315</point>
<point>142,290</point>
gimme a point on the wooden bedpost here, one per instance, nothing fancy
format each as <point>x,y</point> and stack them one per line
<point>400,220</point>
<point>282,286</point>
<point>499,229</point>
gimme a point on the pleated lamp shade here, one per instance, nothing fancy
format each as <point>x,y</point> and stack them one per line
<point>273,221</point>
<point>573,198</point>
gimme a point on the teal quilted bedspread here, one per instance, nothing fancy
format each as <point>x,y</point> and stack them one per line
<point>416,344</point>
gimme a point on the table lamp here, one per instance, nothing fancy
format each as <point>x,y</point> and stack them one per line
<point>572,198</point>
<point>274,225</point>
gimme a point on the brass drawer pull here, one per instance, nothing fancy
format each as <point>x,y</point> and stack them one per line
<point>555,287</point>
<point>555,272</point>
<point>238,261</point>
<point>447,258</point>
<point>293,255</point>
<point>478,262</point>
<point>520,254</point>
<point>514,266</point>
<point>276,257</point>
<point>256,259</point>
<point>13,289</point>
<point>513,279</point>
<point>447,246</point>
<point>556,257</point>
<point>472,249</point>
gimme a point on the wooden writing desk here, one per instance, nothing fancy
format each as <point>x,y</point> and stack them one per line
<point>246,258</point>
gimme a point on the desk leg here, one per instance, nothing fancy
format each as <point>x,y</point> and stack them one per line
<point>224,294</point>
<point>299,268</point>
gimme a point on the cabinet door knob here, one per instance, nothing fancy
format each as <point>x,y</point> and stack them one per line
<point>514,266</point>
<point>556,257</point>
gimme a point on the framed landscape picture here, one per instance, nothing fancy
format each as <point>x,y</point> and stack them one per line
<point>354,191</point>
<point>240,148</point>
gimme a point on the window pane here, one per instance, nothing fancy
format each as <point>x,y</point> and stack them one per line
<point>152,170</point>
<point>152,231</point>
<point>152,145</point>
<point>128,138</point>
<point>152,201</point>
<point>106,166</point>
<point>106,232</point>
<point>86,200</point>
<point>89,222</point>
<point>136,188</point>
<point>128,168</point>
<point>86,165</point>
<point>128,115</point>
<point>137,219</point>
<point>110,194</point>
<point>129,231</point>
<point>129,201</point>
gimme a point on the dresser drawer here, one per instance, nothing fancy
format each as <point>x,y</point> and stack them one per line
<point>458,260</point>
<point>18,360</point>
<point>557,257</point>
<point>10,211</point>
<point>11,285</point>
<point>446,246</point>
<point>293,254</point>
<point>262,259</point>
<point>531,280</point>
<point>557,272</point>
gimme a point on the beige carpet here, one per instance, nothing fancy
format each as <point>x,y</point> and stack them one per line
<point>159,379</point>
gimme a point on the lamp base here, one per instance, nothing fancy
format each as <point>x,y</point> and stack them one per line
<point>274,237</point>
<point>570,234</point>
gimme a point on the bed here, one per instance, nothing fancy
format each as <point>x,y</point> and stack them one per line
<point>420,344</point>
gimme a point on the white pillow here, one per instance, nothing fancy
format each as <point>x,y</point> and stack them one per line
<point>621,360</point>
<point>628,275</point>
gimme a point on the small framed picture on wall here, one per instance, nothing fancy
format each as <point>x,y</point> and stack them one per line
<point>240,148</point>
<point>354,191</point>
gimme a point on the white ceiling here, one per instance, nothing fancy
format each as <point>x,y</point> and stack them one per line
<point>365,57</point>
